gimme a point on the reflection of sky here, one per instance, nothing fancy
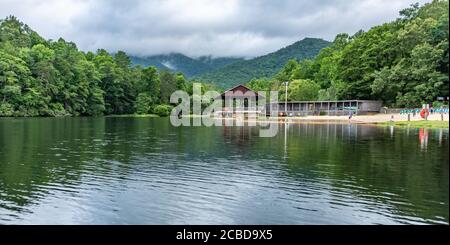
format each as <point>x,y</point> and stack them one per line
<point>220,198</point>
<point>199,185</point>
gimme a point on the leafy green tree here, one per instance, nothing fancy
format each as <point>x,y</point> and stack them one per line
<point>181,82</point>
<point>144,103</point>
<point>15,78</point>
<point>122,60</point>
<point>301,90</point>
<point>119,92</point>
<point>263,84</point>
<point>332,92</point>
<point>46,83</point>
<point>287,72</point>
<point>168,85</point>
<point>18,34</point>
<point>95,103</point>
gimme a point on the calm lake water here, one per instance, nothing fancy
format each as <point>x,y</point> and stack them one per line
<point>144,171</point>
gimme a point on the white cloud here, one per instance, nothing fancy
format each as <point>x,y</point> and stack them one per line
<point>200,27</point>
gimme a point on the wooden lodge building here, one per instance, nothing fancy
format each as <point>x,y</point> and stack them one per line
<point>241,97</point>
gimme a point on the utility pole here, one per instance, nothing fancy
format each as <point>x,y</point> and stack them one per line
<point>285,98</point>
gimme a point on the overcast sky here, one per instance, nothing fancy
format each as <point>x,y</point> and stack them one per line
<point>198,27</point>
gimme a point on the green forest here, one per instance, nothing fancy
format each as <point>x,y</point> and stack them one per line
<point>403,63</point>
<point>54,78</point>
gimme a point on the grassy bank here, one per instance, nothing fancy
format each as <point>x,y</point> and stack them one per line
<point>418,124</point>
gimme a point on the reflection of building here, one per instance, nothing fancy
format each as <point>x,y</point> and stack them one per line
<point>240,136</point>
<point>240,98</point>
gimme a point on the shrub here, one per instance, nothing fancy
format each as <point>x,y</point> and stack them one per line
<point>438,104</point>
<point>6,110</point>
<point>162,110</point>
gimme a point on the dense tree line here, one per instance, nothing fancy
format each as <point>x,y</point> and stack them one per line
<point>54,78</point>
<point>404,63</point>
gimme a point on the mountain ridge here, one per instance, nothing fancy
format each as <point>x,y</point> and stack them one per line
<point>182,63</point>
<point>229,71</point>
<point>241,72</point>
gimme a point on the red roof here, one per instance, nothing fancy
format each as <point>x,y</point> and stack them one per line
<point>240,88</point>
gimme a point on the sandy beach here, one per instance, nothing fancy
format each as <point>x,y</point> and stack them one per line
<point>356,119</point>
<point>377,118</point>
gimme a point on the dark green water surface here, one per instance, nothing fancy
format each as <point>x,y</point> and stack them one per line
<point>144,171</point>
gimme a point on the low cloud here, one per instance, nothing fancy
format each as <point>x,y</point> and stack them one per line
<point>201,27</point>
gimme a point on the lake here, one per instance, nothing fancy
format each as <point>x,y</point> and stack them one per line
<point>144,171</point>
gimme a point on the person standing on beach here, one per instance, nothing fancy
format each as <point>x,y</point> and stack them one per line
<point>351,115</point>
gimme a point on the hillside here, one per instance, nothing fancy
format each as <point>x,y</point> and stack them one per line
<point>263,66</point>
<point>41,77</point>
<point>182,63</point>
<point>404,63</point>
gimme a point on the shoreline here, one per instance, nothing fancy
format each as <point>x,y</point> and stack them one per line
<point>434,121</point>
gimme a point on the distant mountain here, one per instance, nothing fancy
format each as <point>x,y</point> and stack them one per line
<point>226,72</point>
<point>242,71</point>
<point>182,63</point>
